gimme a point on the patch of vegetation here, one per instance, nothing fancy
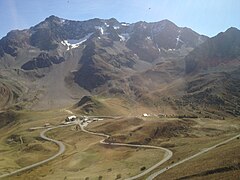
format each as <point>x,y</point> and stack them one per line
<point>119,176</point>
<point>8,117</point>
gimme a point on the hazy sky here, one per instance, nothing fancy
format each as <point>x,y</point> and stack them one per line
<point>207,17</point>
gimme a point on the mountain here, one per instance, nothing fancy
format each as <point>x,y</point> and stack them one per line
<point>58,61</point>
<point>219,50</point>
<point>204,83</point>
<point>215,70</point>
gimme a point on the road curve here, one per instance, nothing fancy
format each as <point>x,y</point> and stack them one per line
<point>42,135</point>
<point>168,154</point>
<point>154,175</point>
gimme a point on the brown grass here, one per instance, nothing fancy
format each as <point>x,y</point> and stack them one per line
<point>84,157</point>
<point>220,163</point>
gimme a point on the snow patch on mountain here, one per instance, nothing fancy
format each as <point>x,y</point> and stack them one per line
<point>107,25</point>
<point>159,50</point>
<point>100,28</point>
<point>178,40</point>
<point>124,37</point>
<point>116,27</point>
<point>148,38</point>
<point>125,24</point>
<point>62,20</point>
<point>74,43</point>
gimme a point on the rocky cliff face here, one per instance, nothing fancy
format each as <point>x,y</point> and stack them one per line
<point>43,60</point>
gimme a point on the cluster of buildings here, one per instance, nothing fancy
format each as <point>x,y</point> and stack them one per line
<point>82,119</point>
<point>159,115</point>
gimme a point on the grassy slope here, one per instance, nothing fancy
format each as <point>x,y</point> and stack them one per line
<point>220,163</point>
<point>10,91</point>
<point>113,107</point>
<point>33,149</point>
<point>202,134</point>
<point>84,157</point>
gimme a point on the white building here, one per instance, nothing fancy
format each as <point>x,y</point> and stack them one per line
<point>70,118</point>
<point>145,115</point>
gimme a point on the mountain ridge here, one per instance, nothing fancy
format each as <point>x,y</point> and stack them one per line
<point>155,63</point>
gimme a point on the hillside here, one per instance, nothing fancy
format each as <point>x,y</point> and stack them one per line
<point>216,66</point>
<point>220,53</point>
<point>11,93</point>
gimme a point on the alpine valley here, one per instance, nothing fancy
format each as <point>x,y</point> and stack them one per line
<point>144,83</point>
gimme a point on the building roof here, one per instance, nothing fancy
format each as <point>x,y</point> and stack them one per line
<point>72,117</point>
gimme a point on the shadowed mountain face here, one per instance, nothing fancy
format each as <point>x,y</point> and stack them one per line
<point>214,68</point>
<point>219,50</point>
<point>59,60</point>
<point>43,60</point>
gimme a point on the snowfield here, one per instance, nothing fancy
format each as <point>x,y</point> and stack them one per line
<point>124,37</point>
<point>125,24</point>
<point>74,43</point>
<point>116,27</point>
<point>99,28</point>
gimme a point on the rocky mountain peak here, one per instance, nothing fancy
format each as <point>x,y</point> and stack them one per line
<point>52,18</point>
<point>232,30</point>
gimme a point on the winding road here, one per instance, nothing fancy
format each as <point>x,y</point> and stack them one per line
<point>154,175</point>
<point>168,154</point>
<point>42,135</point>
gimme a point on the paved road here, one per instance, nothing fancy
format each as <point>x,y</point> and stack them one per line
<point>42,134</point>
<point>154,175</point>
<point>167,155</point>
